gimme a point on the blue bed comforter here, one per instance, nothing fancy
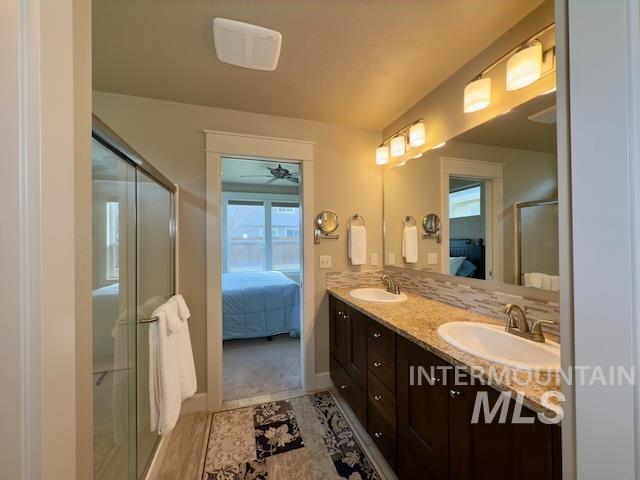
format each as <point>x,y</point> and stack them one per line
<point>259,304</point>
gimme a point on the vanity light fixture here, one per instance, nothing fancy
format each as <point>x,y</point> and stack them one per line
<point>382,155</point>
<point>407,138</point>
<point>417,134</point>
<point>398,145</point>
<point>525,66</point>
<point>477,94</point>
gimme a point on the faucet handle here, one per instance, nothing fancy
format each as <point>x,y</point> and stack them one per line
<point>536,328</point>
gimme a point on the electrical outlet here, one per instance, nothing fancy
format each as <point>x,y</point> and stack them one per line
<point>392,258</point>
<point>432,259</point>
<point>325,261</point>
<point>374,259</point>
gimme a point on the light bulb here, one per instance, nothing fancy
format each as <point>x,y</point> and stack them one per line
<point>382,155</point>
<point>524,67</point>
<point>477,95</point>
<point>417,135</point>
<point>398,146</point>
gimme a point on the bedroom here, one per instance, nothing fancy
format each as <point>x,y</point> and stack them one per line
<point>260,277</point>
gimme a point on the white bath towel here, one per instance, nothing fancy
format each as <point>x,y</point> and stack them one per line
<point>357,245</point>
<point>165,390</point>
<point>410,244</point>
<point>542,281</point>
<point>184,359</point>
<point>183,314</point>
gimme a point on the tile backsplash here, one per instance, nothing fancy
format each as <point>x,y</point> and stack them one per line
<point>482,301</point>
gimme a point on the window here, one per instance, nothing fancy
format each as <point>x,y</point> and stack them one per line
<point>245,236</point>
<point>465,202</point>
<point>112,241</point>
<point>246,246</point>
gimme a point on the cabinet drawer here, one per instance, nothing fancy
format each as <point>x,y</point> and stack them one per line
<point>381,353</point>
<point>337,329</point>
<point>382,399</point>
<point>349,390</point>
<point>383,435</point>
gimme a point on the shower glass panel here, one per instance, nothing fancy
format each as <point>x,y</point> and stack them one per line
<point>539,239</point>
<point>133,274</point>
<point>114,315</point>
<point>155,285</point>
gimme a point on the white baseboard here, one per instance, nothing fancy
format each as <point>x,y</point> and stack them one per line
<point>197,403</point>
<point>323,380</point>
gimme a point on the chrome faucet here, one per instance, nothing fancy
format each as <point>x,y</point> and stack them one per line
<point>392,286</point>
<point>517,324</point>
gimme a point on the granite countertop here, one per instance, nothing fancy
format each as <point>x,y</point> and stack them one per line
<point>418,319</point>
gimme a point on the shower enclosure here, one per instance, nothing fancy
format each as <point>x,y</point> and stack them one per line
<point>133,273</point>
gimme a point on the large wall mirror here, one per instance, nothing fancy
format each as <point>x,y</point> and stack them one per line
<point>494,189</point>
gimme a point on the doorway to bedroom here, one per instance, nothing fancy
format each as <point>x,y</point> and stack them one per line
<point>261,277</point>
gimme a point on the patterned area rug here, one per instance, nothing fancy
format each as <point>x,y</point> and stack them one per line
<point>302,438</point>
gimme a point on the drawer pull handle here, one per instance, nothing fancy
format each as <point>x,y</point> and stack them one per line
<point>378,434</point>
<point>377,335</point>
<point>343,387</point>
<point>377,398</point>
<point>455,393</point>
<point>377,364</point>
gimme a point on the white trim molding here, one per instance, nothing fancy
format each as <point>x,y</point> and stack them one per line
<point>492,173</point>
<point>227,144</point>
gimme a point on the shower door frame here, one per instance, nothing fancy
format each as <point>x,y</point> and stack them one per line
<point>111,140</point>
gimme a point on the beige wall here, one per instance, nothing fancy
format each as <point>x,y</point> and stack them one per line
<point>170,136</point>
<point>442,108</point>
<point>415,189</point>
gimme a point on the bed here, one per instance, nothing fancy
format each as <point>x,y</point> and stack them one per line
<point>259,304</point>
<point>473,255</point>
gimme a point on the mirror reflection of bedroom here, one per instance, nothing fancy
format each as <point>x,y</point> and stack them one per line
<point>261,277</point>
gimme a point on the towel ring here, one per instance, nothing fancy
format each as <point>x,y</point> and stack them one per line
<point>356,220</point>
<point>409,221</point>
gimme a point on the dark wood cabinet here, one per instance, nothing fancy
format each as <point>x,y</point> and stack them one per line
<point>420,420</point>
<point>423,409</point>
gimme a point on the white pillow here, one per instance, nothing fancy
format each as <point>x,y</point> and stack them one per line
<point>454,264</point>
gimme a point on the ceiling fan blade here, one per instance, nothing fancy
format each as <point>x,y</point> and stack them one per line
<point>255,176</point>
<point>293,179</point>
<point>294,174</point>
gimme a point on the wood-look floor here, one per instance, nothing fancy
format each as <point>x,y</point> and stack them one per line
<point>185,454</point>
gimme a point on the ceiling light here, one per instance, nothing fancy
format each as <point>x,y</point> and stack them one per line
<point>398,145</point>
<point>382,155</point>
<point>417,135</point>
<point>440,145</point>
<point>525,66</point>
<point>246,45</point>
<point>477,95</point>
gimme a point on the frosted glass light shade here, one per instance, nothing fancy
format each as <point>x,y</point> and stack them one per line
<point>417,135</point>
<point>398,146</point>
<point>477,95</point>
<point>382,155</point>
<point>524,67</point>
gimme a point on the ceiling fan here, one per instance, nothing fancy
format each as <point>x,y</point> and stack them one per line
<point>277,173</point>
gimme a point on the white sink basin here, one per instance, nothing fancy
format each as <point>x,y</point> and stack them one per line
<point>492,343</point>
<point>377,295</point>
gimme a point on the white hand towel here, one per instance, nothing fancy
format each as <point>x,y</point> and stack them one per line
<point>410,244</point>
<point>182,313</point>
<point>165,390</point>
<point>546,281</point>
<point>184,359</point>
<point>533,279</point>
<point>174,322</point>
<point>357,245</point>
<point>555,283</point>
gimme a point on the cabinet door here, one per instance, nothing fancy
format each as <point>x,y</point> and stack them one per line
<point>489,451</point>
<point>422,408</point>
<point>337,329</point>
<point>356,350</point>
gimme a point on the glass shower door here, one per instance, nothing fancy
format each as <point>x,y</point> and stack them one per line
<point>114,315</point>
<point>155,285</point>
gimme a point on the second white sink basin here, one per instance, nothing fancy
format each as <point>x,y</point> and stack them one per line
<point>492,343</point>
<point>377,295</point>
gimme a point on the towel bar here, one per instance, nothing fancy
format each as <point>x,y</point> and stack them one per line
<point>148,320</point>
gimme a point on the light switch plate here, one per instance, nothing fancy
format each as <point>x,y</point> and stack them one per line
<point>392,258</point>
<point>325,261</point>
<point>374,259</point>
<point>432,259</point>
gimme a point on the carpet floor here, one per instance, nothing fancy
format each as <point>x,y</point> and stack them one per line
<point>305,437</point>
<point>257,367</point>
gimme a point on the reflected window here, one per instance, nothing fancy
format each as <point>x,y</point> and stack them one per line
<point>245,236</point>
<point>112,240</point>
<point>465,203</point>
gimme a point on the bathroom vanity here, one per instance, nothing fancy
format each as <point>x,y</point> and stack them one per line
<point>425,430</point>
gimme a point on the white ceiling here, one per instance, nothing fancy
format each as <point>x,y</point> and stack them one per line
<point>354,62</point>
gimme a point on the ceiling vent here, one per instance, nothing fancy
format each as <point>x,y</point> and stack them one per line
<point>547,116</point>
<point>246,45</point>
